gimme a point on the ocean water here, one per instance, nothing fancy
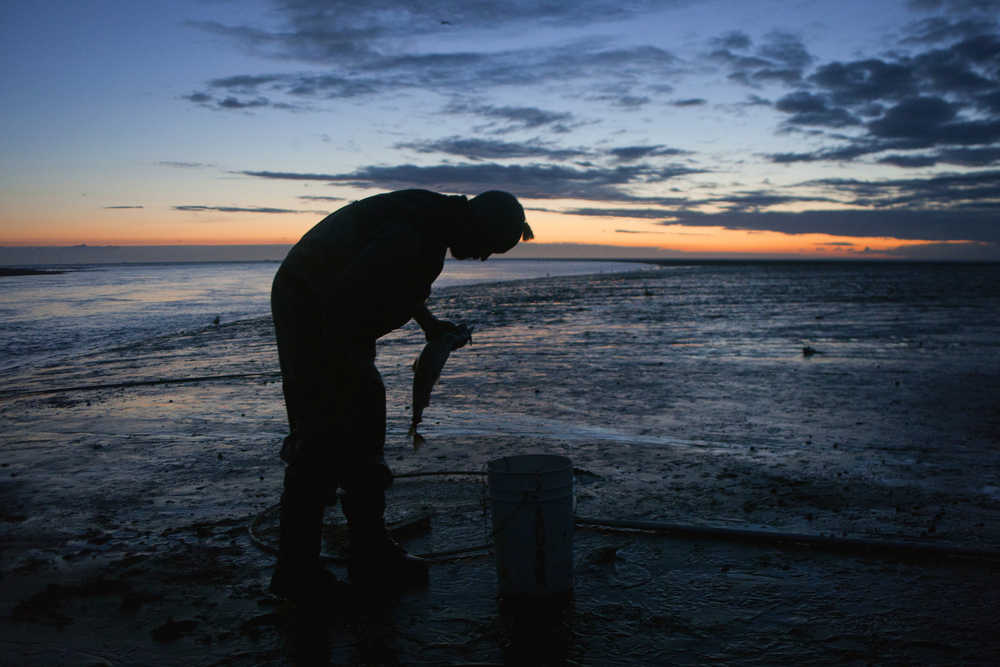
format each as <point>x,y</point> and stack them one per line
<point>715,361</point>
<point>681,394</point>
<point>722,338</point>
<point>46,318</point>
<point>640,374</point>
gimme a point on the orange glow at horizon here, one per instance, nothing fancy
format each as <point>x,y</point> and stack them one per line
<point>631,232</point>
<point>149,226</point>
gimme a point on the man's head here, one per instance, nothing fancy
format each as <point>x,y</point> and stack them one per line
<point>496,225</point>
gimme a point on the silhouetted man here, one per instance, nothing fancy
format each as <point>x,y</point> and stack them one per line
<point>360,273</point>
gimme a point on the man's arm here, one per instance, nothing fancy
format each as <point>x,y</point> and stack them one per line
<point>426,320</point>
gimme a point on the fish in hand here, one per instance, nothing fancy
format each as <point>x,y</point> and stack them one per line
<point>427,371</point>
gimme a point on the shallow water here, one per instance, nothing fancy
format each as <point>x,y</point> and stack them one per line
<point>681,395</point>
<point>700,361</point>
<point>93,307</point>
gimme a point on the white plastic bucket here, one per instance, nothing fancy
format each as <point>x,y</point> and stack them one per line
<point>532,505</point>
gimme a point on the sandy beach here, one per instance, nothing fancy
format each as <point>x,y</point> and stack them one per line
<point>130,478</point>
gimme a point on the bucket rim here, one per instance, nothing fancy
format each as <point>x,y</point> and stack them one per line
<point>560,464</point>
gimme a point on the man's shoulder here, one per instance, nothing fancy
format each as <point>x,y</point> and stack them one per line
<point>403,215</point>
<point>415,197</point>
<point>422,210</point>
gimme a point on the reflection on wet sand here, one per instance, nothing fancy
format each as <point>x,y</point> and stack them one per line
<point>124,511</point>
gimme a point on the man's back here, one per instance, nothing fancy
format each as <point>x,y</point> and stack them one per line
<point>375,259</point>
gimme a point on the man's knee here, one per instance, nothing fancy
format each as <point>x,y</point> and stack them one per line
<point>307,483</point>
<point>309,470</point>
<point>321,463</point>
<point>367,476</point>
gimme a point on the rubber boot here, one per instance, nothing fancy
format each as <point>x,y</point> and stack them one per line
<point>299,575</point>
<point>377,562</point>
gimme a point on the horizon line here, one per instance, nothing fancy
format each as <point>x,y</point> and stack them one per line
<point>83,253</point>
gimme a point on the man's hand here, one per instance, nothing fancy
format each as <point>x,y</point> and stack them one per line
<point>443,328</point>
<point>432,326</point>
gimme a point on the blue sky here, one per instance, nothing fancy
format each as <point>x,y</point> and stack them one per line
<point>677,128</point>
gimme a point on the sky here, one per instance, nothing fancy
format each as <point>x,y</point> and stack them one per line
<point>670,128</point>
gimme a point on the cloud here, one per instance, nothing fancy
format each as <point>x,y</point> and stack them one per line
<point>493,149</point>
<point>915,118</point>
<point>325,86</point>
<point>941,208</point>
<point>931,98</point>
<point>859,108</point>
<point>967,252</point>
<point>542,250</point>
<point>192,208</point>
<point>941,29</point>
<point>754,101</point>
<point>690,102</point>
<point>801,102</point>
<point>291,176</point>
<point>246,84</point>
<point>359,45</point>
<point>456,73</point>
<point>943,102</point>
<point>839,154</point>
<point>536,181</point>
<point>735,40</point>
<point>756,200</point>
<point>786,76</point>
<point>234,103</point>
<point>956,6</point>
<point>637,231</point>
<point>637,214</point>
<point>785,48</point>
<point>122,207</point>
<point>976,190</point>
<point>901,224</point>
<point>809,109</point>
<point>961,70</point>
<point>641,152</point>
<point>510,118</point>
<point>955,234</point>
<point>737,202</point>
<point>864,81</point>
<point>182,165</point>
<point>965,157</point>
<point>780,57</point>
<point>318,31</point>
<point>629,102</point>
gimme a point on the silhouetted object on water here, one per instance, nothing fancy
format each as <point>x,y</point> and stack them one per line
<point>360,273</point>
<point>15,271</point>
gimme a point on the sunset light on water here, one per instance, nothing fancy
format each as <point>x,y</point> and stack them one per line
<point>740,278</point>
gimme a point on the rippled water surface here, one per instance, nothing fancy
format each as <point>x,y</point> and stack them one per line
<point>682,395</point>
<point>87,308</point>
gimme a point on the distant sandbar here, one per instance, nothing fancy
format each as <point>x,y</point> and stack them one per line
<point>13,271</point>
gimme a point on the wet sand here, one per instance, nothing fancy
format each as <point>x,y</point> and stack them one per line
<point>125,502</point>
